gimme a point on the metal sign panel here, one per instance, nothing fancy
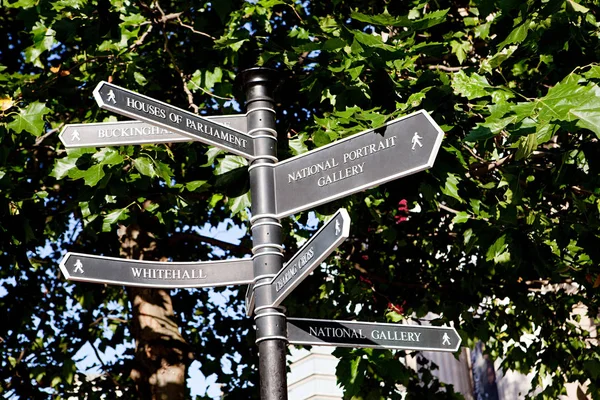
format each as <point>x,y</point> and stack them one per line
<point>322,332</point>
<point>134,105</point>
<point>310,256</point>
<point>238,122</point>
<point>121,271</point>
<point>120,133</point>
<point>401,147</point>
<point>250,300</point>
<point>123,133</point>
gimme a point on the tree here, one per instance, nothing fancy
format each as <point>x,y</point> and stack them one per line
<point>508,212</point>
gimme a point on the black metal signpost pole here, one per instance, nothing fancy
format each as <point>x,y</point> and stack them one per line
<point>401,147</point>
<point>267,250</point>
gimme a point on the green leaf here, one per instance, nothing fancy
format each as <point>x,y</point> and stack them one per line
<point>233,44</point>
<point>140,79</point>
<point>572,100</point>
<point>588,118</point>
<point>489,64</point>
<point>20,4</point>
<point>132,19</point>
<point>240,203</point>
<point>43,40</point>
<point>211,155</point>
<point>230,163</point>
<point>108,156</point>
<point>461,48</point>
<point>370,40</point>
<point>194,185</point>
<point>212,78</point>
<point>321,138</point>
<point>62,167</point>
<point>526,145</point>
<point>471,87</point>
<point>460,218</point>
<point>451,187</point>
<point>355,72</point>
<point>164,171</point>
<point>110,219</point>
<point>215,198</point>
<point>593,72</point>
<point>92,175</point>
<point>429,20</point>
<point>517,35</point>
<point>298,145</point>
<point>498,251</point>
<point>334,44</point>
<point>145,166</point>
<point>577,7</point>
<point>30,119</point>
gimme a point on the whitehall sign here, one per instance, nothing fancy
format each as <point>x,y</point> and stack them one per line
<point>134,105</point>
<point>124,133</point>
<point>310,256</point>
<point>121,271</point>
<point>401,147</point>
<point>320,332</point>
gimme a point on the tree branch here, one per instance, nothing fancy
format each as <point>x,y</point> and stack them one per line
<point>445,68</point>
<point>191,28</point>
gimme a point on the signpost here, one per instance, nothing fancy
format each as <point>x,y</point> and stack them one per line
<point>310,256</point>
<point>121,271</point>
<point>134,105</point>
<point>370,334</point>
<point>124,133</point>
<point>401,147</point>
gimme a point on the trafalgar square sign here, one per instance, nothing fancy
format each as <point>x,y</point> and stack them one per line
<point>310,256</point>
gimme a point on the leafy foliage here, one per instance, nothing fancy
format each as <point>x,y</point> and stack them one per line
<point>499,237</point>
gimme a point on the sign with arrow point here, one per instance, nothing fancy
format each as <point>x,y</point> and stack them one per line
<point>123,133</point>
<point>134,105</point>
<point>401,147</point>
<point>321,332</point>
<point>121,271</point>
<point>310,256</point>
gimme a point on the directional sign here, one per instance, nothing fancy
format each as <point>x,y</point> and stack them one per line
<point>401,147</point>
<point>310,256</point>
<point>120,133</point>
<point>124,133</point>
<point>137,106</point>
<point>250,300</point>
<point>120,271</point>
<point>369,334</point>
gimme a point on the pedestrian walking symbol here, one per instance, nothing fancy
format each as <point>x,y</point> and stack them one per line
<point>446,340</point>
<point>75,136</point>
<point>78,266</point>
<point>338,229</point>
<point>416,140</point>
<point>111,97</point>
